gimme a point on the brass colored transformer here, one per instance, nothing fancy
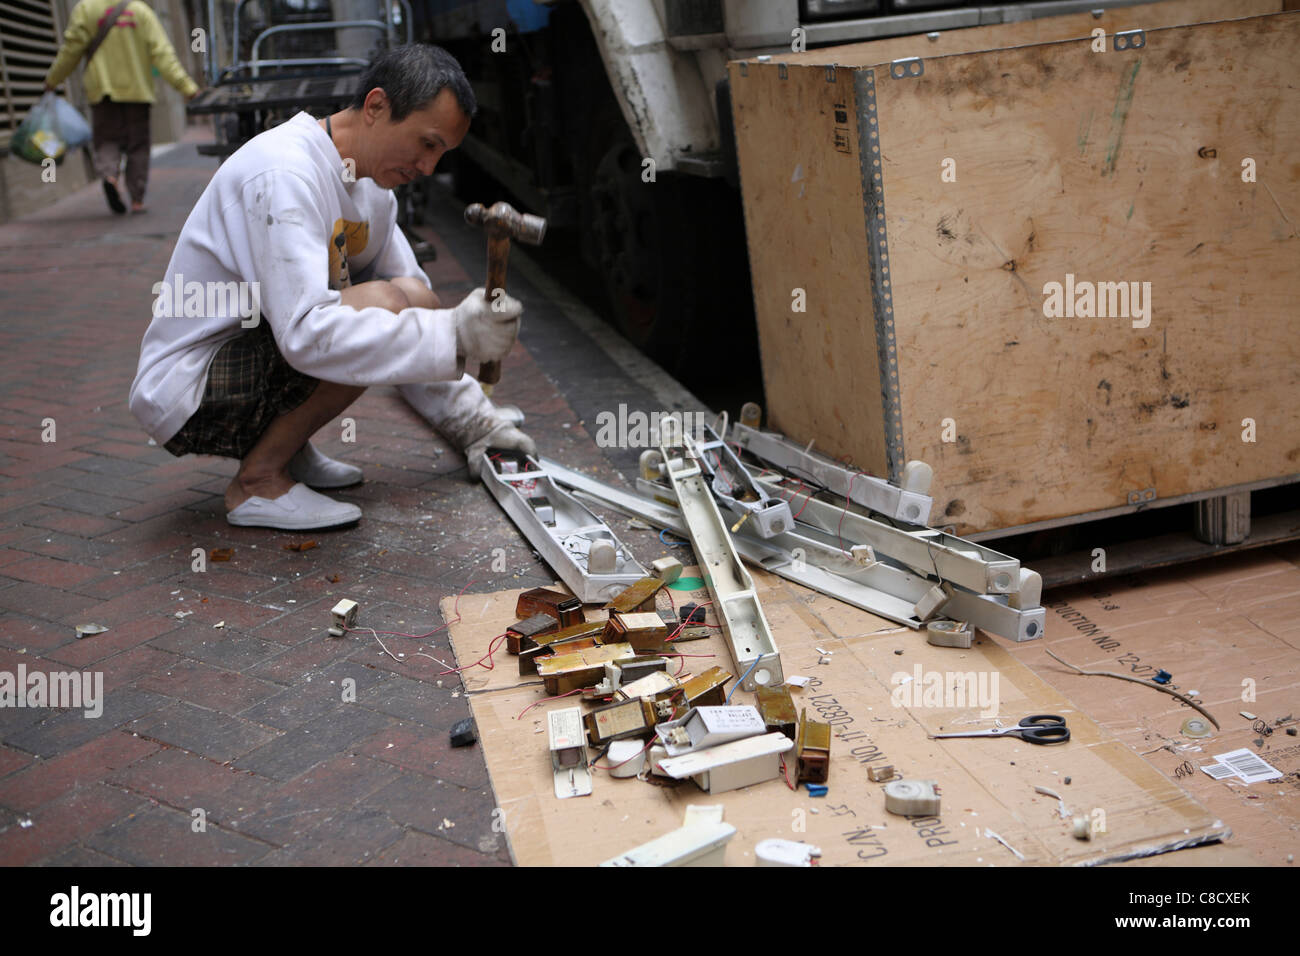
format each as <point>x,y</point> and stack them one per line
<point>812,748</point>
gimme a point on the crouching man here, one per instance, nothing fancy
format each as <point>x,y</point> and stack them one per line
<point>303,222</point>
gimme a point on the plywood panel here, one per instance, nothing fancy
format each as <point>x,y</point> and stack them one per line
<point>805,228</point>
<point>1111,167</point>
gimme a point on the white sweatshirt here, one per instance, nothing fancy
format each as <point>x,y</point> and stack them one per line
<point>281,213</point>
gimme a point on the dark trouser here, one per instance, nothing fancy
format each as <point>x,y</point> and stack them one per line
<point>122,128</point>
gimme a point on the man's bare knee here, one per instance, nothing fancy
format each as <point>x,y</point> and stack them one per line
<point>379,294</point>
<point>417,293</point>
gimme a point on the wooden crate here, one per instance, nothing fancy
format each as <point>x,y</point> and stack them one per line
<point>925,334</point>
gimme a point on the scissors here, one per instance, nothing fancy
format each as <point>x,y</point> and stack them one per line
<point>1034,729</point>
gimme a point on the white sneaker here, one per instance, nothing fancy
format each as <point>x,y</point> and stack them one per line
<point>312,468</point>
<point>298,509</point>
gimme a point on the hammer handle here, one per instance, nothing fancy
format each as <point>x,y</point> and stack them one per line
<point>489,373</point>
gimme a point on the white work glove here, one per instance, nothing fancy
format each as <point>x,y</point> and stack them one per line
<point>485,330</point>
<point>502,434</point>
<point>468,419</point>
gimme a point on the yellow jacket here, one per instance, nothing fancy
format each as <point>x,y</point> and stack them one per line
<point>120,67</point>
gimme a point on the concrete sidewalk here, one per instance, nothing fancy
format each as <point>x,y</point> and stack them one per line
<point>223,694</point>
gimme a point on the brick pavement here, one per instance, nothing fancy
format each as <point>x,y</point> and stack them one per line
<point>235,707</point>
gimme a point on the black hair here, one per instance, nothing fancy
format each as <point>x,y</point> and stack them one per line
<point>411,75</point>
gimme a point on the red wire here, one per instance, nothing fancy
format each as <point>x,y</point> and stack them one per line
<point>493,645</point>
<point>682,666</point>
<point>596,766</point>
<point>795,494</point>
<point>847,500</point>
<point>785,774</point>
<point>673,636</point>
<point>717,470</point>
<point>577,690</point>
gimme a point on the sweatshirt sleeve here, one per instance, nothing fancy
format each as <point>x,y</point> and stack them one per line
<point>281,216</point>
<point>75,40</point>
<point>163,56</point>
<point>396,258</point>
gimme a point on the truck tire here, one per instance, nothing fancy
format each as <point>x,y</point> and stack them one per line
<point>648,248</point>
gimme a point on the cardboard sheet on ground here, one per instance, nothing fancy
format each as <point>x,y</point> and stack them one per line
<point>879,718</point>
<point>1227,631</point>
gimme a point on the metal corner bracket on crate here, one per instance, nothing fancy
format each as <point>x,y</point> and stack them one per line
<point>882,300</point>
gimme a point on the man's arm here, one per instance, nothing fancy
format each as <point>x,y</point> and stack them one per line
<point>281,216</point>
<point>163,56</point>
<point>75,40</point>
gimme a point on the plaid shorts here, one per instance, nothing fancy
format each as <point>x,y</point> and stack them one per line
<point>249,385</point>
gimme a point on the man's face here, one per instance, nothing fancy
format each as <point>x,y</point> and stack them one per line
<point>403,152</point>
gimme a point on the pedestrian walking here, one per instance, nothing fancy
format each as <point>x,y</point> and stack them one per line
<point>121,40</point>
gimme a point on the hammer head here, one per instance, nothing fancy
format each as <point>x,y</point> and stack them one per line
<point>502,219</point>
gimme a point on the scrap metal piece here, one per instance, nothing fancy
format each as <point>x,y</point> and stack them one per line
<point>530,657</point>
<point>776,707</point>
<point>709,726</point>
<point>565,608</point>
<point>812,748</point>
<point>644,631</point>
<point>637,596</point>
<point>638,667</point>
<point>911,502</point>
<point>523,633</point>
<point>562,673</point>
<point>565,544</point>
<point>888,591</point>
<point>568,753</point>
<point>730,586</point>
<point>534,649</point>
<point>656,686</point>
<point>925,550</point>
<point>912,798</point>
<point>706,689</point>
<point>624,718</point>
<point>729,766</point>
<point>735,488</point>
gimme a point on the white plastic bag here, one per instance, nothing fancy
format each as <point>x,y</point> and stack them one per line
<point>38,137</point>
<point>70,123</point>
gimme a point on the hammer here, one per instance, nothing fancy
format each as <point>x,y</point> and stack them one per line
<point>503,223</point>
